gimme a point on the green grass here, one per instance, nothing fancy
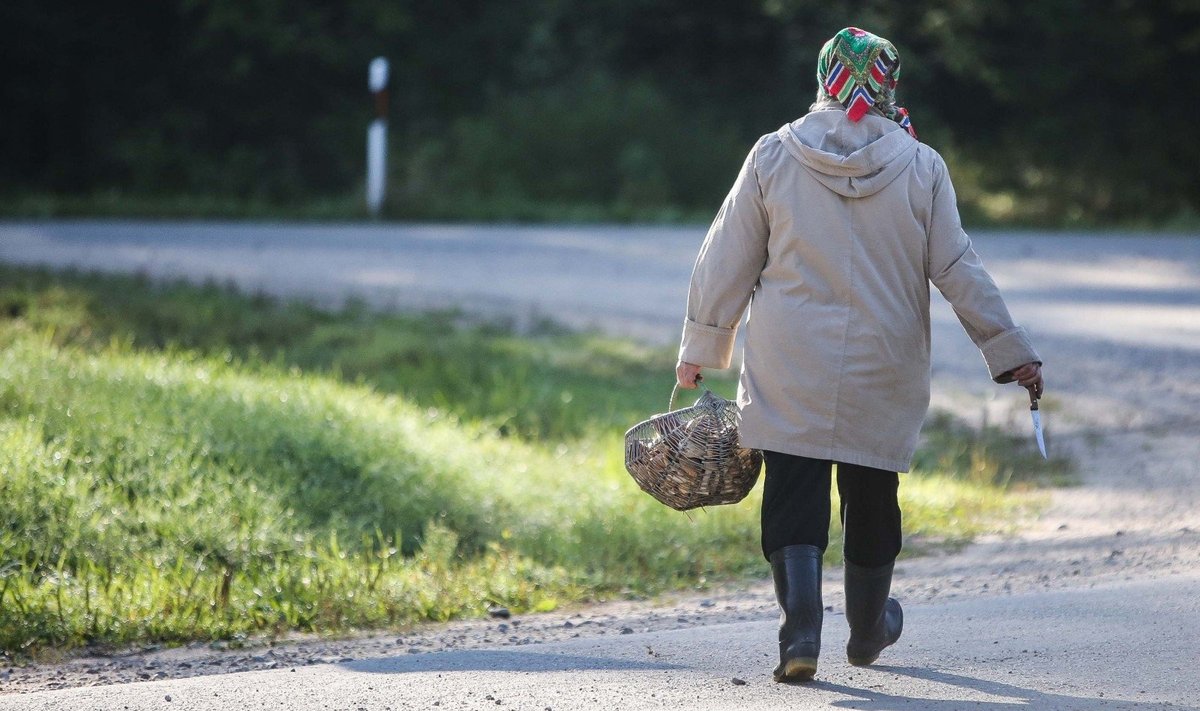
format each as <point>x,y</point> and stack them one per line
<point>978,210</point>
<point>442,206</point>
<point>183,463</point>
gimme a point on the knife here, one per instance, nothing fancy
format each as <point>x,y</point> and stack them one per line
<point>1037,423</point>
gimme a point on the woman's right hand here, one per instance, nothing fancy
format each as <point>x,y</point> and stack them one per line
<point>686,374</point>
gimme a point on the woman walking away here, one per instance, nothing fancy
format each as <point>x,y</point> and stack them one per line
<point>835,227</point>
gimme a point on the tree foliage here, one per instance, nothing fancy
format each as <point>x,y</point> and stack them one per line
<point>1058,110</point>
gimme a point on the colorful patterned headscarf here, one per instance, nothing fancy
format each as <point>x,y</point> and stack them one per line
<point>860,70</point>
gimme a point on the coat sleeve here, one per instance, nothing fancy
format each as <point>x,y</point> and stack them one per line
<point>956,270</point>
<point>726,272</point>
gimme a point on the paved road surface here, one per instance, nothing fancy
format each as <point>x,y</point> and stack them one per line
<point>625,279</point>
<point>634,278</point>
<point>1117,319</point>
<point>1059,650</point>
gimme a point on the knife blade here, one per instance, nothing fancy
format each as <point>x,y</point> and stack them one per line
<point>1037,424</point>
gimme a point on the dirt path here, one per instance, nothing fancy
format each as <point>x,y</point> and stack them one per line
<point>1116,319</point>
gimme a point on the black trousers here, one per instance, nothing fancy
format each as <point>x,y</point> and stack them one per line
<point>796,508</point>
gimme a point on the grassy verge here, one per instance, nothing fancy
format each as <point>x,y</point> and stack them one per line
<point>340,208</point>
<point>184,462</point>
<point>979,211</point>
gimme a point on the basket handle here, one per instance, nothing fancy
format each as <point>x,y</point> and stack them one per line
<point>675,391</point>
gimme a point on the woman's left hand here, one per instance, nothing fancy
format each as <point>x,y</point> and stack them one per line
<point>686,374</point>
<point>1029,376</point>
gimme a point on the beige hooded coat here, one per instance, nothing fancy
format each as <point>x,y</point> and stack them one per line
<point>833,232</point>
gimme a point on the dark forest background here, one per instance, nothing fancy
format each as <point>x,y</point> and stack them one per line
<point>1056,112</point>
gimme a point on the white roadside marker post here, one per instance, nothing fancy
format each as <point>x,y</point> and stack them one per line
<point>377,79</point>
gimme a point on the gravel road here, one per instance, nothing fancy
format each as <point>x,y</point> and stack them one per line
<point>1091,605</point>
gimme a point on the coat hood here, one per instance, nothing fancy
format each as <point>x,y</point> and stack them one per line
<point>852,158</point>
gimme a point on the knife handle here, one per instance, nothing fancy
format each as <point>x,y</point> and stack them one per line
<point>1033,400</point>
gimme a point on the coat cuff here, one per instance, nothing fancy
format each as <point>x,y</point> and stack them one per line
<point>707,346</point>
<point>1008,351</point>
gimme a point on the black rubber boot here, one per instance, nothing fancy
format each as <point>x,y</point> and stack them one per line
<point>797,574</point>
<point>876,620</point>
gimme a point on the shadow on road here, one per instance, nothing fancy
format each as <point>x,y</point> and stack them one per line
<point>1009,697</point>
<point>501,660</point>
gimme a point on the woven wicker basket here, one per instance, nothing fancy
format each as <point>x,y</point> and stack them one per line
<point>691,457</point>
